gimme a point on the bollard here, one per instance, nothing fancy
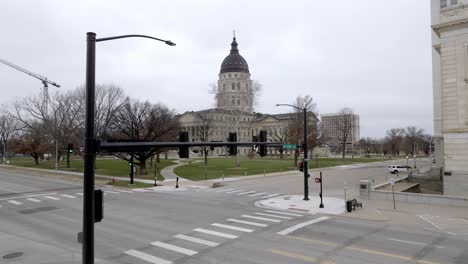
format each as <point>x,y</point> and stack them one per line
<point>177,183</point>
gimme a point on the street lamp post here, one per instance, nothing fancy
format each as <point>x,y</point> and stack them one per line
<point>90,143</point>
<point>306,161</point>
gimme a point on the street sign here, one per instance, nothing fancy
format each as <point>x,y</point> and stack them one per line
<point>392,181</point>
<point>289,146</point>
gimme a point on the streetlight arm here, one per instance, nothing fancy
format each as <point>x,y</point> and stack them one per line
<point>168,42</point>
<point>290,106</point>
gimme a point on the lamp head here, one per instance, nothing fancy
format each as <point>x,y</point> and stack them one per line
<point>170,43</point>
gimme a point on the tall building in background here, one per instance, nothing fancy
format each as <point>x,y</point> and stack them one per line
<point>335,125</point>
<point>450,92</point>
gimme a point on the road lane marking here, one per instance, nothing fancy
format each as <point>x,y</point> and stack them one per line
<point>52,198</point>
<point>258,194</point>
<point>68,196</point>
<point>174,248</point>
<point>225,190</point>
<point>197,240</point>
<point>301,225</point>
<point>15,202</point>
<point>364,250</point>
<point>246,222</point>
<point>33,200</point>
<point>278,216</point>
<point>26,196</point>
<point>236,191</point>
<point>233,227</point>
<point>271,195</point>
<point>262,218</point>
<point>242,193</point>
<point>147,257</point>
<point>293,255</point>
<point>411,242</point>
<point>214,233</point>
<point>283,213</point>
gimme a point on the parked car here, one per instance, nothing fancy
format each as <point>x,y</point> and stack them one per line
<point>398,168</point>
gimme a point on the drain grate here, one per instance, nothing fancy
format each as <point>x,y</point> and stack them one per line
<point>13,255</point>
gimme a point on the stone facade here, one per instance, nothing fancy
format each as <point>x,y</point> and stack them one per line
<point>331,124</point>
<point>450,78</point>
<point>234,110</point>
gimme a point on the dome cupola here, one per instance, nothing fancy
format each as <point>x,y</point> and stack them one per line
<point>234,62</point>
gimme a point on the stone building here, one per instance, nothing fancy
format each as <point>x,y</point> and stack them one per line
<point>234,110</point>
<point>450,92</point>
<point>332,128</point>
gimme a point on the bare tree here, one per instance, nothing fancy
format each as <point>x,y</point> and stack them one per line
<point>8,127</point>
<point>296,126</point>
<point>344,125</point>
<point>280,135</point>
<point>413,137</point>
<point>31,142</point>
<point>202,133</point>
<point>143,121</point>
<point>394,139</point>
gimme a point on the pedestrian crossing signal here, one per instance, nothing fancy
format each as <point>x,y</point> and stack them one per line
<point>301,166</point>
<point>317,180</point>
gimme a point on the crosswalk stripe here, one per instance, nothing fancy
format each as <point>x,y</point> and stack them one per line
<point>147,257</point>
<point>197,240</point>
<point>283,213</point>
<point>272,215</point>
<point>68,196</point>
<point>174,248</point>
<point>271,195</point>
<point>242,193</point>
<point>225,190</point>
<point>233,227</point>
<point>262,218</point>
<point>111,192</point>
<point>52,198</point>
<point>79,194</point>
<point>214,233</point>
<point>15,202</point>
<point>33,200</point>
<point>246,222</point>
<point>258,194</point>
<point>236,191</point>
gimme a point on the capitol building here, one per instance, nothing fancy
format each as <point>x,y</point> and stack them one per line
<point>234,112</point>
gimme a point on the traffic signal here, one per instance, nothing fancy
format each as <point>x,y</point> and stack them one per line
<point>130,164</point>
<point>70,148</point>
<point>183,150</point>
<point>98,206</point>
<point>301,166</point>
<point>232,138</point>
<point>263,138</point>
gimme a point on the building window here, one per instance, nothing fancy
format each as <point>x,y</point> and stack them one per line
<point>233,86</point>
<point>443,3</point>
<point>229,75</point>
<point>224,86</point>
<point>238,86</point>
<point>238,101</point>
<point>235,75</point>
<point>453,2</point>
<point>233,102</point>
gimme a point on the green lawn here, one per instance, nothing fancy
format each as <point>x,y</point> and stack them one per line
<point>219,166</point>
<point>111,167</point>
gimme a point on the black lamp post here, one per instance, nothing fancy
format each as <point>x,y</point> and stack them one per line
<point>306,160</point>
<point>90,143</point>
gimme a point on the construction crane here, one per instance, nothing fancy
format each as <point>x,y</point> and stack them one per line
<point>44,80</point>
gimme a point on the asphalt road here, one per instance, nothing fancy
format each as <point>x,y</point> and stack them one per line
<point>40,219</point>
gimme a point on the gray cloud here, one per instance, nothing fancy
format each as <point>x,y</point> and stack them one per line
<point>373,56</point>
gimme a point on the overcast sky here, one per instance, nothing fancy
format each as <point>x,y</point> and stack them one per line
<point>371,55</point>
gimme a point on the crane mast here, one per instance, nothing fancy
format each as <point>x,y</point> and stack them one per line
<point>44,80</point>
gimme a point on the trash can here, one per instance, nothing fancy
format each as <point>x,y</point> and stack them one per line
<point>349,206</point>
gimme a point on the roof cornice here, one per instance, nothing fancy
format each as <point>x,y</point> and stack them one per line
<point>449,25</point>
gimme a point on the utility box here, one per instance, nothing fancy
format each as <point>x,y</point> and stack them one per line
<point>364,188</point>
